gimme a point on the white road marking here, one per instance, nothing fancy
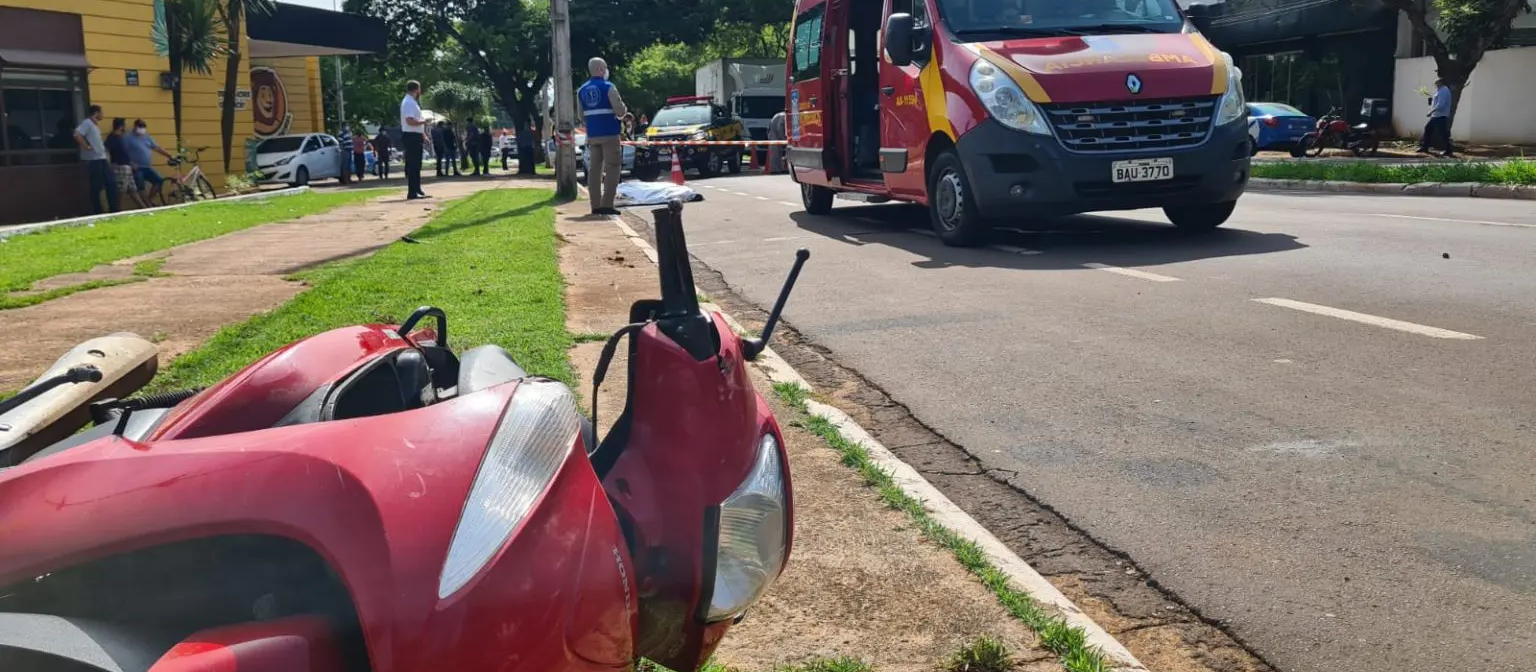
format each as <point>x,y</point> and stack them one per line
<point>1014,249</point>
<point>1131,273</point>
<point>1462,221</point>
<point>739,193</point>
<point>763,198</point>
<point>787,204</point>
<point>716,242</point>
<point>784,238</point>
<point>1389,323</point>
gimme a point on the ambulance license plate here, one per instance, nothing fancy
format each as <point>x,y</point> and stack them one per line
<point>1142,170</point>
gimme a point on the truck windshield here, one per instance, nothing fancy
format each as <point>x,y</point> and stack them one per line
<point>1004,19</point>
<point>759,107</point>
<point>690,115</point>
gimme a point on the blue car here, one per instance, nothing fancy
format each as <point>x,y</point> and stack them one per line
<point>1277,126</point>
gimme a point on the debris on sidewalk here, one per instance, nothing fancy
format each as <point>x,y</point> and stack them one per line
<point>864,588</point>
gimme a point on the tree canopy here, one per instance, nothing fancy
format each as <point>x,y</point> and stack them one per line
<point>1466,30</point>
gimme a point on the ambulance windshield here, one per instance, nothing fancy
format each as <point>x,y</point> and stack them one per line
<point>1046,18</point>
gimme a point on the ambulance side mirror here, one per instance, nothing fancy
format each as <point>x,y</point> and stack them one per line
<point>898,38</point>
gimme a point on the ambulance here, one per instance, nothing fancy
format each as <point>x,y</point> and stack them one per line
<point>986,111</point>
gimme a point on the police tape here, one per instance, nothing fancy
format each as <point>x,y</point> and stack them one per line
<point>706,143</point>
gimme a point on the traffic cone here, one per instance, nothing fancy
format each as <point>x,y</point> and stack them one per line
<point>751,157</point>
<point>677,168</point>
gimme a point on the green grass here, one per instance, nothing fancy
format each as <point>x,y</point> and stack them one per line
<point>838,664</point>
<point>491,266</point>
<point>1515,171</point>
<point>983,654</point>
<point>1069,643</point>
<point>27,258</point>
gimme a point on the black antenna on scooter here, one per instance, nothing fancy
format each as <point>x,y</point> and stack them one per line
<point>752,347</point>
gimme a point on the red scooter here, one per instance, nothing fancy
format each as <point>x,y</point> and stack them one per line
<point>366,500</point>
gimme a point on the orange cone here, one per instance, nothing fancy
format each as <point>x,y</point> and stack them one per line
<point>677,168</point>
<point>751,157</point>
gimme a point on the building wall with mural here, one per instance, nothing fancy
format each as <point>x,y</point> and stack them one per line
<point>285,96</point>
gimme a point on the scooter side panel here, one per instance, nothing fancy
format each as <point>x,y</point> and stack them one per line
<point>298,644</point>
<point>694,436</point>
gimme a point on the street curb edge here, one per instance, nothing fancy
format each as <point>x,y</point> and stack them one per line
<point>1440,189</point>
<point>947,513</point>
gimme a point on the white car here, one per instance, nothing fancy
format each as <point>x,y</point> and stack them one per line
<point>581,154</point>
<point>295,160</point>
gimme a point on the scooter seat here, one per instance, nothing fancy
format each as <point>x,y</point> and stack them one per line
<point>485,367</point>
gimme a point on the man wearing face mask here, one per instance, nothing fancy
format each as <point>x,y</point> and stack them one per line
<point>601,109</point>
<point>141,147</point>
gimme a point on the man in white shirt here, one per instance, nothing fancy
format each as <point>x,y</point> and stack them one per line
<point>93,152</point>
<point>412,127</point>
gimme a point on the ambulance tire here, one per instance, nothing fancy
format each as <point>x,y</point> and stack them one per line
<point>1201,217</point>
<point>817,200</point>
<point>954,217</point>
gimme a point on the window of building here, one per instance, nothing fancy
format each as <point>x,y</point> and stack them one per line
<point>40,109</point>
<point>808,44</point>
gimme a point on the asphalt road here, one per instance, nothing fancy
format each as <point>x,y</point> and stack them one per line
<point>1348,490</point>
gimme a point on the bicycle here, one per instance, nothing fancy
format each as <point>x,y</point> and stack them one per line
<point>191,186</point>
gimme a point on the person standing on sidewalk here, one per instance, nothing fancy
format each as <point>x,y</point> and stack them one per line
<point>360,154</point>
<point>344,175</point>
<point>601,109</point>
<point>122,166</point>
<point>382,147</point>
<point>412,126</point>
<point>93,152</point>
<point>1438,131</point>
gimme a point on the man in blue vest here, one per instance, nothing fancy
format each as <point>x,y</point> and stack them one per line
<point>601,109</point>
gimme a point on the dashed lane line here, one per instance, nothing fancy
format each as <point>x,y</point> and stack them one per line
<point>1373,320</point>
<point>1131,273</point>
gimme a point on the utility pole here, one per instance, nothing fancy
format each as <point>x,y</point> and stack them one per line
<point>565,122</point>
<point>341,96</point>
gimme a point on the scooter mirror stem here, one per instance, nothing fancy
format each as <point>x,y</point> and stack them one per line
<point>752,347</point>
<point>85,373</point>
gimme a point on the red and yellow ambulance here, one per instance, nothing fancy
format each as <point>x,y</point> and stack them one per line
<point>984,110</point>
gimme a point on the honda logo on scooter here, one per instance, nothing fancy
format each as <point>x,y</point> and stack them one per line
<point>1133,84</point>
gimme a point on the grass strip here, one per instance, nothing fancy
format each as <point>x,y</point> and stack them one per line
<point>1068,642</point>
<point>27,258</point>
<point>1513,172</point>
<point>490,265</point>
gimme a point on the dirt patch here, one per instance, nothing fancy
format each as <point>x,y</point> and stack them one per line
<point>862,581</point>
<point>1164,633</point>
<point>211,283</point>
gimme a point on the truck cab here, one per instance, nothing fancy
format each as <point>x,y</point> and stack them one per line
<point>987,110</point>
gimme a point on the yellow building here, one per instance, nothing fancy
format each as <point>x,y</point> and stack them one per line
<point>58,57</point>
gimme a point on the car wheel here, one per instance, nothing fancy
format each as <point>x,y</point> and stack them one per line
<point>648,173</point>
<point>735,164</point>
<point>951,210</point>
<point>817,200</point>
<point>711,166</point>
<point>301,177</point>
<point>1202,217</point>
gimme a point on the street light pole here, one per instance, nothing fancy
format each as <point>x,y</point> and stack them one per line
<point>341,89</point>
<point>565,122</point>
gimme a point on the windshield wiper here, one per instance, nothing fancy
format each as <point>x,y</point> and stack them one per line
<point>1010,30</point>
<point>1104,28</point>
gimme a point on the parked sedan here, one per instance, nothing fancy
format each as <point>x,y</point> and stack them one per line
<point>296,159</point>
<point>1277,126</point>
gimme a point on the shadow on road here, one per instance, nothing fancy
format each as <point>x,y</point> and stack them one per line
<point>1065,242</point>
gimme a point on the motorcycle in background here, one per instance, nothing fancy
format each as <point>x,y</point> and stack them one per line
<point>366,499</point>
<point>1362,139</point>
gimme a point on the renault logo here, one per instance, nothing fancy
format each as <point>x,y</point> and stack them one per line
<point>1133,84</point>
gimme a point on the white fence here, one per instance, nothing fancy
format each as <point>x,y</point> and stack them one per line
<point>1498,106</point>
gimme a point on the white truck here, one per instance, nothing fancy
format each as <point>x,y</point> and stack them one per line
<point>751,88</point>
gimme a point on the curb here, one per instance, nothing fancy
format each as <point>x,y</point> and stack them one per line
<point>1023,577</point>
<point>23,229</point>
<point>1441,189</point>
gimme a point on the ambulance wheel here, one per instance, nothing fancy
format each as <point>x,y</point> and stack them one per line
<point>950,209</point>
<point>817,200</point>
<point>1202,217</point>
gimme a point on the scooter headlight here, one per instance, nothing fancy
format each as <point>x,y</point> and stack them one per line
<point>1232,106</point>
<point>753,535</point>
<point>535,436</point>
<point>1005,101</point>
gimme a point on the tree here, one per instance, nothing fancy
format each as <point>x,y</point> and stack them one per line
<point>232,14</point>
<point>507,43</point>
<point>186,32</point>
<point>658,72</point>
<point>1467,30</point>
